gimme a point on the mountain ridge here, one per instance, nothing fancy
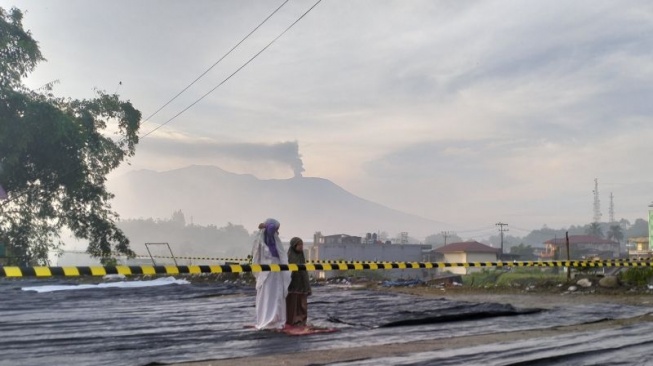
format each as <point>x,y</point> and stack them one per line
<point>211,195</point>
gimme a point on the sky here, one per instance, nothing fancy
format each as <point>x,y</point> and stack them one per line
<point>465,112</point>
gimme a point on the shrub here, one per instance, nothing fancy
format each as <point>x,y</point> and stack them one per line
<point>530,278</point>
<point>484,278</point>
<point>638,276</point>
<point>523,277</point>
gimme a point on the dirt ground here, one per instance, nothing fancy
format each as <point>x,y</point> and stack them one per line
<point>542,298</point>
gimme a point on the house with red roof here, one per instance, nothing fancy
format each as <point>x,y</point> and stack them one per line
<point>581,247</point>
<point>467,252</point>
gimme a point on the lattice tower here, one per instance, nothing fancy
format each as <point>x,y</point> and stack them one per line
<point>597,201</point>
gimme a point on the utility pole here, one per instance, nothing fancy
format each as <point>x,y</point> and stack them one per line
<point>568,259</point>
<point>446,234</point>
<point>501,230</point>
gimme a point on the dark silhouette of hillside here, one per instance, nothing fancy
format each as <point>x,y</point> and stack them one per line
<point>208,195</point>
<point>186,240</point>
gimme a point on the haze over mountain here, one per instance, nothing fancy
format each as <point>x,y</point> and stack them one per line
<point>210,195</point>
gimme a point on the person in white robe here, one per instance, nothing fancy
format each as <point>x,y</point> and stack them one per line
<point>271,287</point>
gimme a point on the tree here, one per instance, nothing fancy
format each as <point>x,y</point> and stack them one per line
<point>525,252</point>
<point>615,233</point>
<point>55,154</point>
<point>179,218</point>
<point>191,240</point>
<point>594,229</point>
<point>438,240</point>
<point>639,228</point>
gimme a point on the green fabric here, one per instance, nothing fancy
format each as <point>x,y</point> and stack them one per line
<point>299,282</point>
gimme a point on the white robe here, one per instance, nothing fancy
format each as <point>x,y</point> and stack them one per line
<point>271,287</point>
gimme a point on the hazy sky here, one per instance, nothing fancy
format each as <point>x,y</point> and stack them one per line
<point>466,112</point>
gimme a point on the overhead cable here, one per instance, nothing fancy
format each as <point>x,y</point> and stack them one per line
<point>234,73</point>
<point>217,62</point>
<point>11,199</point>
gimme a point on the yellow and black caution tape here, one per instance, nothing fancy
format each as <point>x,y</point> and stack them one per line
<point>243,260</point>
<point>247,260</point>
<point>352,262</point>
<point>9,271</point>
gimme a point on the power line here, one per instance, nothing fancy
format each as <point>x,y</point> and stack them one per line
<point>524,230</point>
<point>235,72</point>
<point>501,230</point>
<point>481,235</point>
<point>447,234</point>
<point>9,200</point>
<point>474,230</point>
<point>217,62</point>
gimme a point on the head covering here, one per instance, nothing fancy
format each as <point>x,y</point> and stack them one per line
<point>293,255</point>
<point>294,241</point>
<point>271,228</point>
<point>300,282</point>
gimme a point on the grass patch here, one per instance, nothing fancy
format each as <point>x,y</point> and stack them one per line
<point>528,279</point>
<point>482,279</point>
<point>637,276</point>
<point>500,278</point>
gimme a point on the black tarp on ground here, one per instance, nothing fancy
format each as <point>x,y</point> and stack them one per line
<point>175,323</point>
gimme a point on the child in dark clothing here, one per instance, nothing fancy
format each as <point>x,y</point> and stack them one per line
<point>299,288</point>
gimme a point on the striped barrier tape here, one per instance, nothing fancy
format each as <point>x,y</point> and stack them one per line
<point>169,257</point>
<point>514,263</point>
<point>239,260</point>
<point>196,258</point>
<point>10,271</point>
<point>334,261</point>
<point>352,262</point>
<point>247,260</point>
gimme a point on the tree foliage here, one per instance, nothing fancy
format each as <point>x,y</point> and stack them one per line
<point>55,154</point>
<point>187,240</point>
<point>615,233</point>
<point>525,252</point>
<point>594,229</point>
<point>438,240</point>
<point>639,228</point>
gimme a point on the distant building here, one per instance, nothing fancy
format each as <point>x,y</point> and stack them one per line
<point>343,247</point>
<point>580,247</point>
<point>639,247</point>
<point>338,239</point>
<point>467,252</point>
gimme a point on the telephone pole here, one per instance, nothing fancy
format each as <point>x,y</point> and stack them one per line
<point>501,230</point>
<point>446,234</point>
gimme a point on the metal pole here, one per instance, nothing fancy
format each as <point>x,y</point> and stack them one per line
<point>568,259</point>
<point>148,252</point>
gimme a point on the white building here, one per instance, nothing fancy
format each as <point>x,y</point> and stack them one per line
<point>467,252</point>
<point>347,252</point>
